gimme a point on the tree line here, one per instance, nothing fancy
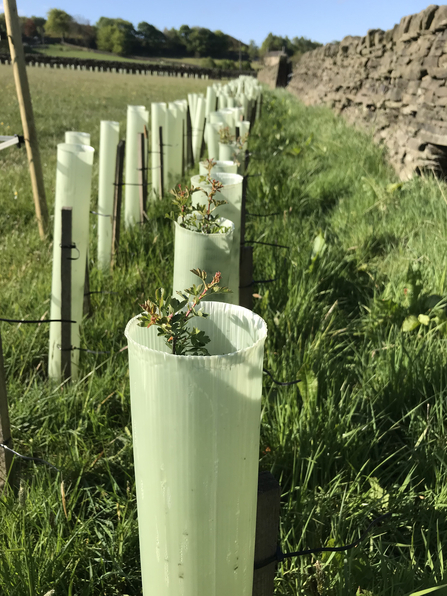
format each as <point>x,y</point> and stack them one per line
<point>121,37</point>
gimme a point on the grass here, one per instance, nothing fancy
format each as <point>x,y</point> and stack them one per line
<point>66,51</point>
<point>363,434</point>
<point>59,50</point>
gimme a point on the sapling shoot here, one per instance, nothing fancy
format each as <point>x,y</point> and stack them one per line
<point>198,217</point>
<point>172,316</point>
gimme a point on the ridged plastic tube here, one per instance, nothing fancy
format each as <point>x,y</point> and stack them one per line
<point>158,118</point>
<point>195,427</point>
<point>182,106</point>
<point>228,167</point>
<point>209,252</point>
<point>238,114</point>
<point>197,132</point>
<point>232,210</point>
<point>227,116</point>
<point>137,119</point>
<point>221,101</point>
<point>174,144</point>
<point>108,141</point>
<point>213,138</point>
<point>192,102</point>
<point>228,152</point>
<point>77,138</point>
<point>73,188</point>
<point>210,102</point>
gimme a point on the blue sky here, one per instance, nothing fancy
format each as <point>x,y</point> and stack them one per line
<point>320,20</point>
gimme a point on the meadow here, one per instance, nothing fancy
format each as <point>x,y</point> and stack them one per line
<point>356,311</point>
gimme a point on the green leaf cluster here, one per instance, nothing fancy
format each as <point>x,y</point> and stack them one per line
<point>198,218</point>
<point>173,316</point>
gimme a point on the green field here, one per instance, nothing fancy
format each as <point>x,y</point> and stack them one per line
<point>363,435</point>
<point>65,51</point>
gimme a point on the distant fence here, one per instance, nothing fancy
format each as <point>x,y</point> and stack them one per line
<point>183,70</point>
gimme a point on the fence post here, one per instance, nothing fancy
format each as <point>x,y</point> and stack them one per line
<point>66,252</point>
<point>183,148</point>
<point>26,113</point>
<point>202,148</point>
<point>142,175</point>
<point>246,259</point>
<point>189,154</point>
<point>119,167</point>
<point>267,525</point>
<point>5,430</point>
<point>87,304</point>
<point>160,144</point>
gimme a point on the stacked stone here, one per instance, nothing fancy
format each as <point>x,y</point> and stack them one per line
<point>393,82</point>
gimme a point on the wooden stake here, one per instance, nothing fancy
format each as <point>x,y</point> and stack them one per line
<point>267,525</point>
<point>246,258</point>
<point>160,144</point>
<point>87,304</point>
<point>66,243</point>
<point>202,148</point>
<point>119,168</point>
<point>189,153</point>
<point>183,148</point>
<point>142,175</point>
<point>246,277</point>
<point>5,430</point>
<point>26,113</point>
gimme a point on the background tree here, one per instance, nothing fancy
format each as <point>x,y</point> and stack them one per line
<point>29,28</point>
<point>152,40</point>
<point>253,50</point>
<point>40,27</point>
<point>58,23</point>
<point>115,35</point>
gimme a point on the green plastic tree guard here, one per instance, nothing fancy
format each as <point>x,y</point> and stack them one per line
<point>197,131</point>
<point>73,188</point>
<point>229,152</point>
<point>195,426</point>
<point>228,167</point>
<point>210,101</point>
<point>209,252</point>
<point>108,141</point>
<point>174,144</point>
<point>77,138</point>
<point>158,118</point>
<point>213,138</point>
<point>232,210</point>
<point>137,119</point>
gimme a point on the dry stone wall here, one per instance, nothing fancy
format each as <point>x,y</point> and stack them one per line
<point>275,72</point>
<point>393,82</point>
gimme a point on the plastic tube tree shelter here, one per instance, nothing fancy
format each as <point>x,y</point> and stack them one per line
<point>209,252</point>
<point>108,141</point>
<point>77,138</point>
<point>137,119</point>
<point>232,210</point>
<point>228,167</point>
<point>210,105</point>
<point>192,102</point>
<point>195,426</point>
<point>158,119</point>
<point>197,132</point>
<point>182,106</point>
<point>174,120</point>
<point>73,188</point>
<point>213,138</point>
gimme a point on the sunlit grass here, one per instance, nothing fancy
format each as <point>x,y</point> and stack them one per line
<point>363,434</point>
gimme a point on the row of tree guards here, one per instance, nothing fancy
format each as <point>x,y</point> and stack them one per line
<point>195,419</point>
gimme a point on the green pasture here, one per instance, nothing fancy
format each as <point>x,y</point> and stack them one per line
<point>362,435</point>
<point>65,51</point>
<point>59,50</point>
